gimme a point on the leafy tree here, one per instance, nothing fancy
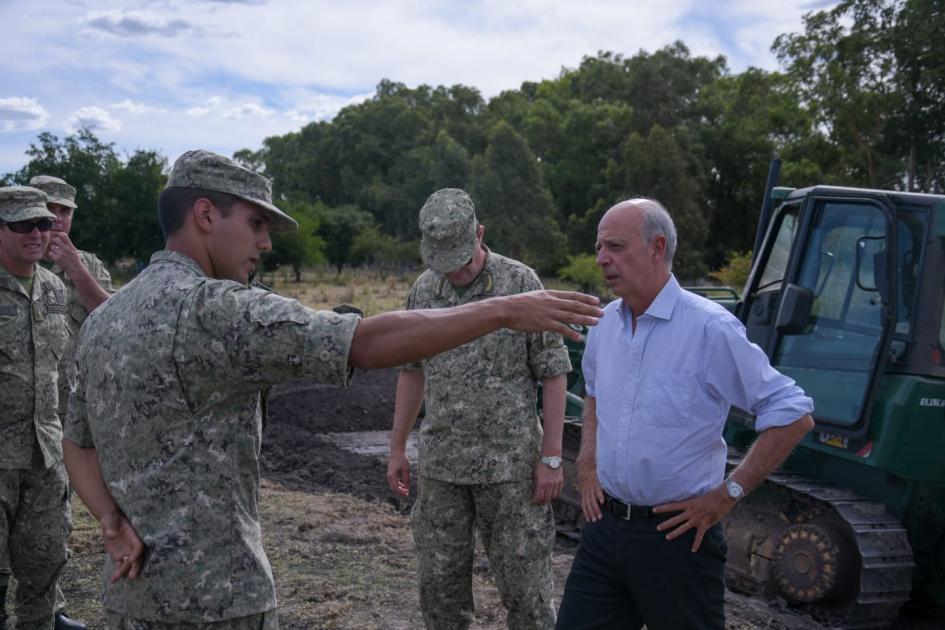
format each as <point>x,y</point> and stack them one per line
<point>339,227</point>
<point>873,71</point>
<point>659,167</point>
<point>920,78</point>
<point>735,271</point>
<point>514,204</point>
<point>117,199</point>
<point>584,271</point>
<point>301,248</point>
<point>372,247</point>
<point>748,119</point>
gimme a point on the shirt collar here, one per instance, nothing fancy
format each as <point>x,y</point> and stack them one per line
<point>482,284</point>
<point>9,281</point>
<point>168,256</point>
<point>662,305</point>
<point>665,301</point>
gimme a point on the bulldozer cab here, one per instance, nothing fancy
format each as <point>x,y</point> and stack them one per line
<point>820,299</point>
<point>834,300</point>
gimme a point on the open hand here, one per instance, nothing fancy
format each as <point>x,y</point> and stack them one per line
<point>553,311</point>
<point>700,512</point>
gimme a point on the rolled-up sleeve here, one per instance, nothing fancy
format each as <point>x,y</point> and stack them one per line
<point>262,338</point>
<point>547,355</point>
<point>740,373</point>
<point>589,360</point>
<point>75,426</point>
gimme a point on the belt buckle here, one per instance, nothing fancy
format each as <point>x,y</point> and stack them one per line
<point>625,509</point>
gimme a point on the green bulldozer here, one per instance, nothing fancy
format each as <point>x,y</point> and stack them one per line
<point>846,295</point>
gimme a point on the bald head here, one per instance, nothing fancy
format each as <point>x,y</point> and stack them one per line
<point>635,244</point>
<point>655,222</point>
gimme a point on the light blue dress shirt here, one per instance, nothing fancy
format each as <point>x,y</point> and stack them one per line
<point>663,394</point>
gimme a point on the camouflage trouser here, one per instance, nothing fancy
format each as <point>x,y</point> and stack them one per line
<point>5,583</point>
<point>35,522</point>
<point>263,621</point>
<point>518,538</point>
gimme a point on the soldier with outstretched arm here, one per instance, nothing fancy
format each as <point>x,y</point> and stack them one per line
<point>164,428</point>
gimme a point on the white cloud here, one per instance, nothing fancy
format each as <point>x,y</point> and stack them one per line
<point>19,113</point>
<point>247,110</point>
<point>221,107</point>
<point>319,106</point>
<point>94,118</point>
<point>134,24</point>
<point>211,104</point>
<point>133,107</point>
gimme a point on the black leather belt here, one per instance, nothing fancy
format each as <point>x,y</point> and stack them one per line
<point>629,512</point>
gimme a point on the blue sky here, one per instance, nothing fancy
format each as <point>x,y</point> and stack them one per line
<point>224,74</point>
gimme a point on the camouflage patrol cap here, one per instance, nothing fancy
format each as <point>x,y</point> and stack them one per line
<point>209,171</point>
<point>57,190</point>
<point>22,203</point>
<point>448,224</point>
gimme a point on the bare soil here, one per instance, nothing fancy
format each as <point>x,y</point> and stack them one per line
<point>339,541</point>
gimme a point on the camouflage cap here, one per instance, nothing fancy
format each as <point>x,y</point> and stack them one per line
<point>57,190</point>
<point>209,171</point>
<point>22,203</point>
<point>448,224</point>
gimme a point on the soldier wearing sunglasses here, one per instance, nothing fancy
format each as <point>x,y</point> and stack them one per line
<point>88,284</point>
<point>34,337</point>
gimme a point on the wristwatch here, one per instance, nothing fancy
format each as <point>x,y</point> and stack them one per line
<point>734,489</point>
<point>551,461</point>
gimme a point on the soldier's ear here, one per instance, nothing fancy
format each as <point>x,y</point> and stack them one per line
<point>204,214</point>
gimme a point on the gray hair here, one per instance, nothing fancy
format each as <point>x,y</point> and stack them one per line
<point>656,222</point>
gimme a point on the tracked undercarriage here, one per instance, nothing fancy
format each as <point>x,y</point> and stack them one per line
<point>843,558</point>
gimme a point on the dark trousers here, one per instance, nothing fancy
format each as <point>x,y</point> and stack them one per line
<point>626,574</point>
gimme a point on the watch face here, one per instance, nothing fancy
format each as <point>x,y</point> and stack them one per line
<point>553,462</point>
<point>734,490</point>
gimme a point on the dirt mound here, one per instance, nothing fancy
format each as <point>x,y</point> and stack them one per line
<point>294,454</point>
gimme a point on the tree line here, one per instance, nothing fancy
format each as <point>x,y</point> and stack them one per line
<point>859,101</point>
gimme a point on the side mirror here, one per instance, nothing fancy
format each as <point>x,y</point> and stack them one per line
<point>868,250</point>
<point>794,311</point>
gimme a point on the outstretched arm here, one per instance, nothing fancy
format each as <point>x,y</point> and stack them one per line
<point>406,407</point>
<point>120,538</point>
<point>401,337</point>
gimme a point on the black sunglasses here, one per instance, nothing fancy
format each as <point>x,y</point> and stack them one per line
<point>25,227</point>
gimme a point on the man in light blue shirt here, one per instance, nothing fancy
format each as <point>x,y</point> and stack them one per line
<point>662,369</point>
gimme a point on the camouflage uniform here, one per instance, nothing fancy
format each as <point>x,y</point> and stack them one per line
<point>168,393</point>
<point>170,374</point>
<point>479,444</point>
<point>34,516</point>
<point>97,269</point>
<point>77,312</point>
